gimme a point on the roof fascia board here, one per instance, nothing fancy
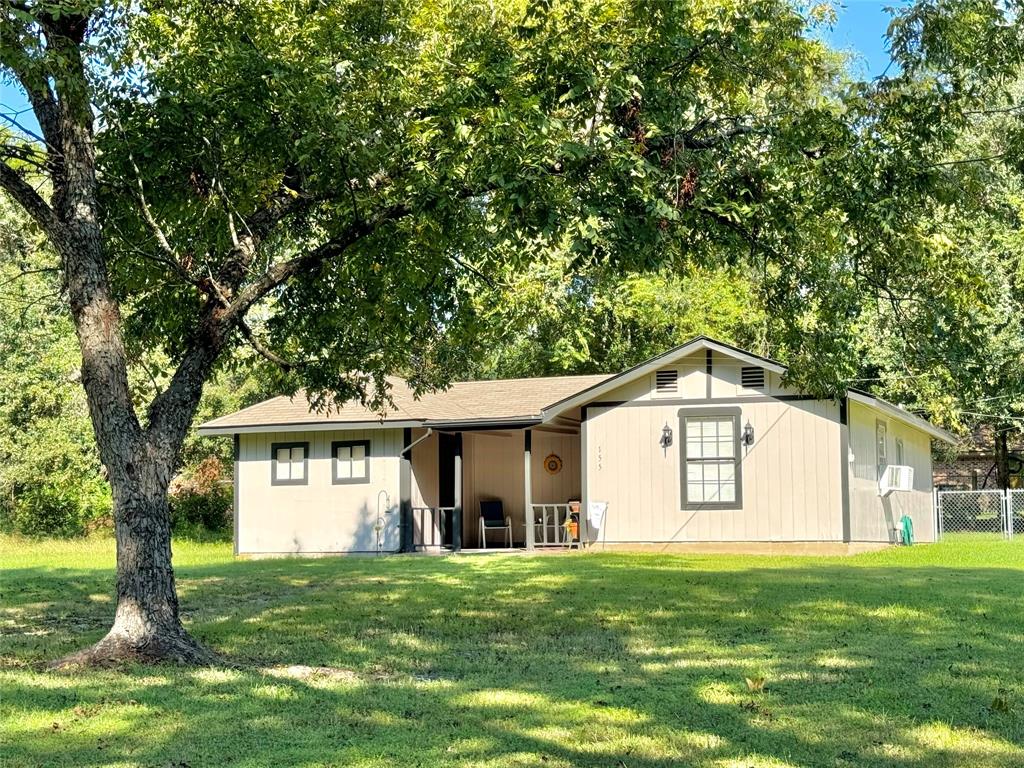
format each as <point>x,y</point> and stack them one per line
<point>899,414</point>
<point>499,423</point>
<point>320,426</point>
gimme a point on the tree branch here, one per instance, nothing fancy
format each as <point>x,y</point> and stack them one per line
<point>968,160</point>
<point>151,222</point>
<point>24,153</point>
<point>263,350</point>
<point>22,192</point>
<point>284,202</point>
<point>36,84</point>
<point>281,272</point>
<point>689,139</point>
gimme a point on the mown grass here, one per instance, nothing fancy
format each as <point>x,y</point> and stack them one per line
<point>907,657</point>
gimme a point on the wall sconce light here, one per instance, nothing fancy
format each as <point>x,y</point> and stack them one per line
<point>748,435</point>
<point>666,437</point>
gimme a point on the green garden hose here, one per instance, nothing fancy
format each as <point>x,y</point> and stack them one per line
<point>908,530</point>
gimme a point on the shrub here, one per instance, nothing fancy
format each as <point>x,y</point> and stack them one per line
<point>60,503</point>
<point>202,500</point>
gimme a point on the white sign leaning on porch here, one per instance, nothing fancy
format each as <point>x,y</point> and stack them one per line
<point>595,513</point>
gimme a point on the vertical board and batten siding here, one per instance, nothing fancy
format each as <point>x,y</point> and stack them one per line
<point>692,382</point>
<point>790,475</point>
<point>318,516</point>
<point>873,517</point>
<point>546,488</point>
<point>425,490</point>
<point>424,469</point>
<point>492,466</point>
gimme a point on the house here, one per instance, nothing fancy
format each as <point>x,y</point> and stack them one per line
<point>973,467</point>
<point>704,446</point>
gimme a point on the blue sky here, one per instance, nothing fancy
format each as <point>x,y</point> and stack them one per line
<point>860,28</point>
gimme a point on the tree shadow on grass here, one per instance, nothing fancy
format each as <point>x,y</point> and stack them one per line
<point>516,661</point>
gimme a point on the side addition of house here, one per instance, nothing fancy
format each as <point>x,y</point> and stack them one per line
<point>701,445</point>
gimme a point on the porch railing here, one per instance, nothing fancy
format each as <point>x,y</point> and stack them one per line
<point>428,526</point>
<point>549,525</point>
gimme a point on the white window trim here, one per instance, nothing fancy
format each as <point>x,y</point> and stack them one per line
<point>722,414</point>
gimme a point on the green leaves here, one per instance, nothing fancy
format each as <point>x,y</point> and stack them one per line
<point>629,136</point>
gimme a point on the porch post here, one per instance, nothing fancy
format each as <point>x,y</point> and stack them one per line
<point>405,493</point>
<point>457,502</point>
<point>234,495</point>
<point>584,496</point>
<point>528,488</point>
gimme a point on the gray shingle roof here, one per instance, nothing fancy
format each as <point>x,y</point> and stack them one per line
<point>465,401</point>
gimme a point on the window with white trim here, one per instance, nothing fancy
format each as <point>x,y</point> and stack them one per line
<point>881,447</point>
<point>288,464</point>
<point>351,461</point>
<point>711,459</point>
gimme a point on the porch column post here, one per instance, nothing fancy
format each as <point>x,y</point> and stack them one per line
<point>528,489</point>
<point>457,511</point>
<point>234,495</point>
<point>584,495</point>
<point>405,493</point>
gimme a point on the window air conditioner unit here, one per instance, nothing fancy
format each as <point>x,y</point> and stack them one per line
<point>896,477</point>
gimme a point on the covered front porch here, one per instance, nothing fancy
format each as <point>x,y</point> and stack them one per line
<point>534,472</point>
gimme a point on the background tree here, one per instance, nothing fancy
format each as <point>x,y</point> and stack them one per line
<point>51,481</point>
<point>967,365</point>
<point>548,320</point>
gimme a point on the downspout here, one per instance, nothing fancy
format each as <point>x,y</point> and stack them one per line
<point>418,440</point>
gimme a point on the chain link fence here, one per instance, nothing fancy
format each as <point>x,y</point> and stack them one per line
<point>1015,511</point>
<point>980,513</point>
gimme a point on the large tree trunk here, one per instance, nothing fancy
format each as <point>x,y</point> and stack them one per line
<point>147,626</point>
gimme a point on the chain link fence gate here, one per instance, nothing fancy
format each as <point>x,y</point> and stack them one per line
<point>1015,512</point>
<point>978,513</point>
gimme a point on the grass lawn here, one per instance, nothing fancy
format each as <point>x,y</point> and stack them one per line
<point>908,657</point>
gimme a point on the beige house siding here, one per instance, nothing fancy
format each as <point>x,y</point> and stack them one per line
<point>546,488</point>
<point>693,381</point>
<point>424,469</point>
<point>806,478</point>
<point>872,517</point>
<point>492,469</point>
<point>318,516</point>
<point>791,476</point>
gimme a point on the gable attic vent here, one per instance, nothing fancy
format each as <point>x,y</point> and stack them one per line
<point>666,381</point>
<point>752,377</point>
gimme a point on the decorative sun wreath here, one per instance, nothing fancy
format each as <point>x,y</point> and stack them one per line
<point>553,463</point>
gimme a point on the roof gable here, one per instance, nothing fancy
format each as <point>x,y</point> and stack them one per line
<point>647,367</point>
